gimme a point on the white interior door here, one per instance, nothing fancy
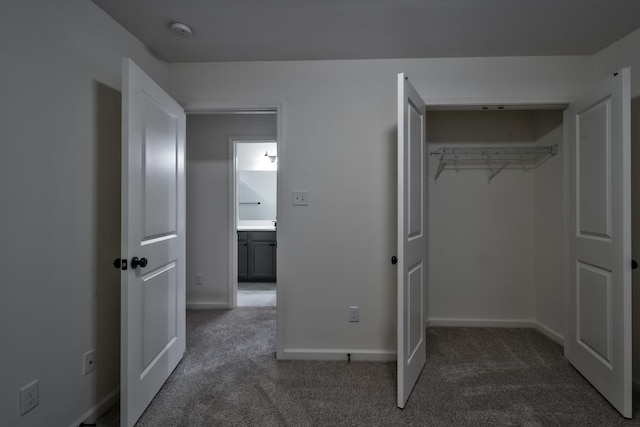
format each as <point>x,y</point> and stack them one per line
<point>598,297</point>
<point>153,229</point>
<point>412,241</point>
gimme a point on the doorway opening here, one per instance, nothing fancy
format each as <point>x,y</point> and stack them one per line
<point>255,194</point>
<point>212,211</point>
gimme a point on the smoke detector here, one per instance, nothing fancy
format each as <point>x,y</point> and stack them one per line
<point>181,30</point>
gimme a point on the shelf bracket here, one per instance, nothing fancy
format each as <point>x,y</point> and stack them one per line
<point>497,170</point>
<point>441,164</point>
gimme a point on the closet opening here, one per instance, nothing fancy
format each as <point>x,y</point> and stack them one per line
<point>495,217</point>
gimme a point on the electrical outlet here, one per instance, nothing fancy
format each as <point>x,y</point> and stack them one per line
<point>89,362</point>
<point>198,279</point>
<point>300,198</point>
<point>29,397</point>
<point>354,313</point>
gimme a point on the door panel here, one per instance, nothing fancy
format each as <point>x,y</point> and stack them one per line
<point>153,227</point>
<point>598,272</point>
<point>416,311</point>
<point>160,170</point>
<point>160,311</point>
<point>243,260</point>
<point>412,243</point>
<point>594,330</point>
<point>594,181</point>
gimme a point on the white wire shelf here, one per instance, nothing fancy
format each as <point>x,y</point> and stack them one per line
<point>493,158</point>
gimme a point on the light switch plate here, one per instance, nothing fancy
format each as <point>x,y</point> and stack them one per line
<point>300,198</point>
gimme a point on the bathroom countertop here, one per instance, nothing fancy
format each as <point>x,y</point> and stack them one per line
<point>256,228</point>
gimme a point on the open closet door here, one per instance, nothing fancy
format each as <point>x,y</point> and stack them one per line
<point>153,240</point>
<point>412,242</point>
<point>598,270</point>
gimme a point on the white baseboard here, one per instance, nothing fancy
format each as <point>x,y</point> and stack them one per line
<point>550,333</point>
<point>92,415</point>
<point>481,323</point>
<point>207,305</point>
<point>337,354</point>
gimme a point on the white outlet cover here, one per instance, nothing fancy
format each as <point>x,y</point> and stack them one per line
<point>89,362</point>
<point>300,198</point>
<point>29,397</point>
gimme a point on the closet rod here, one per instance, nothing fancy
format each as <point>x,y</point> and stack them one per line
<point>495,150</point>
<point>495,158</point>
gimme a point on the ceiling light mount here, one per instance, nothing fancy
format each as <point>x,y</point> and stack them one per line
<point>181,30</point>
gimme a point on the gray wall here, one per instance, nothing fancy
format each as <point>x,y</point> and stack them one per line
<point>60,188</point>
<point>549,227</point>
<point>339,143</point>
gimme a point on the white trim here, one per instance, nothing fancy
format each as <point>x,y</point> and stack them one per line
<point>207,305</point>
<point>282,225</point>
<point>337,354</point>
<point>528,103</point>
<point>98,410</point>
<point>566,208</point>
<point>483,323</point>
<point>223,107</point>
<point>233,225</point>
<point>549,333</point>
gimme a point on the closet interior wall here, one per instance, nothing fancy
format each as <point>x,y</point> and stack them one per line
<point>496,248</point>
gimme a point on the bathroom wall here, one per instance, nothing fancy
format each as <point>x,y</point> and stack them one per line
<point>256,164</point>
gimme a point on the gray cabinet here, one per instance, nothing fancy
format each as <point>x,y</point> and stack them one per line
<point>243,256</point>
<point>256,256</point>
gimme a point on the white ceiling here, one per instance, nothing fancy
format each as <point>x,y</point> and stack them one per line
<point>263,30</point>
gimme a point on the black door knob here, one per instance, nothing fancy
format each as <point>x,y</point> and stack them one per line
<point>117,263</point>
<point>634,264</point>
<point>394,260</point>
<point>135,262</point>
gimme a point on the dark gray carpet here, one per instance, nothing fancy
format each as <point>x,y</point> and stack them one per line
<point>473,377</point>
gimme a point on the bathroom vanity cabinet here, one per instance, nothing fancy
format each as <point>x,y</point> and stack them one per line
<point>256,256</point>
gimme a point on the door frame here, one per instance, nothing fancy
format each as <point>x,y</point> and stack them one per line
<point>233,208</point>
<point>217,107</point>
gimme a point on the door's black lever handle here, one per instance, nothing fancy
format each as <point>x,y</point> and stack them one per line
<point>135,262</point>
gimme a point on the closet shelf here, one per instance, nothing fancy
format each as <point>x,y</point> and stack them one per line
<point>494,158</point>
